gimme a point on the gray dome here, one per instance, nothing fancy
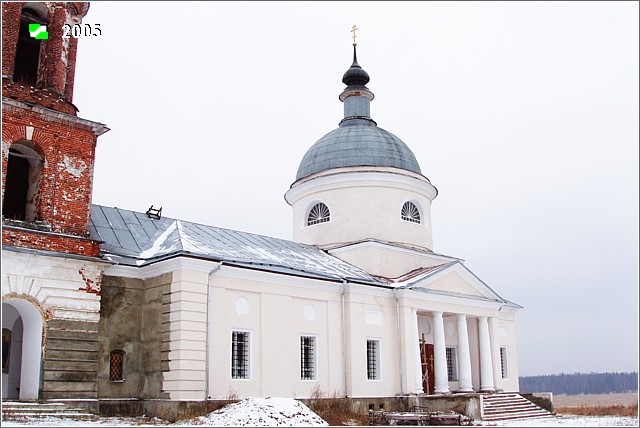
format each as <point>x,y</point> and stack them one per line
<point>357,142</point>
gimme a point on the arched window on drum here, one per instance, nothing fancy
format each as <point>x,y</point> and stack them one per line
<point>319,213</point>
<point>410,212</point>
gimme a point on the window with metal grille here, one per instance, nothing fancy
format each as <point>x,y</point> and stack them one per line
<point>116,366</point>
<point>240,355</point>
<point>410,212</point>
<point>373,359</point>
<point>307,357</point>
<point>318,214</point>
<point>452,364</point>
<point>504,367</point>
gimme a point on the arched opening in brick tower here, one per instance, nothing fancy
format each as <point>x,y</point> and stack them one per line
<point>22,185</point>
<point>27,60</point>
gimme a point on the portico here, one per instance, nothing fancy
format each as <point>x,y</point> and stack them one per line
<point>452,357</point>
<point>461,334</point>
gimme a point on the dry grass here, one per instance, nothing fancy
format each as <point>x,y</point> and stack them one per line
<point>334,410</point>
<point>611,410</point>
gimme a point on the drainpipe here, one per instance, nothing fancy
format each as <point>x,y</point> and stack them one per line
<point>399,344</point>
<point>207,352</point>
<point>344,337</point>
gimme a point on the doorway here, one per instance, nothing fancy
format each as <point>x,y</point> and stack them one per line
<point>426,359</point>
<point>22,326</point>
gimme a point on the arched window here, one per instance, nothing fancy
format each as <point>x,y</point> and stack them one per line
<point>116,366</point>
<point>410,212</point>
<point>318,214</point>
<point>27,58</point>
<point>22,183</point>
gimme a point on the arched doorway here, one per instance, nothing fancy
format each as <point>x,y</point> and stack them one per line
<point>22,353</point>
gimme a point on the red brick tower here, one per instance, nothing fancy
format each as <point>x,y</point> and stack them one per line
<point>48,152</point>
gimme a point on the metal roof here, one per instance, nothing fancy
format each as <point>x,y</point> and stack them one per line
<point>357,142</point>
<point>132,238</point>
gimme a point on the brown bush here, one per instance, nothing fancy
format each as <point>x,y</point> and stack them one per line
<point>335,410</point>
<point>613,410</point>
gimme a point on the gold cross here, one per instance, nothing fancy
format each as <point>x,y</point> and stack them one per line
<point>353,30</point>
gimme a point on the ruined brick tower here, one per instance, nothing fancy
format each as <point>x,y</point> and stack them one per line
<point>51,271</point>
<point>47,151</point>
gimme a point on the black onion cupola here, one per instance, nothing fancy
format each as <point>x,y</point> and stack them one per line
<point>355,75</point>
<point>358,141</point>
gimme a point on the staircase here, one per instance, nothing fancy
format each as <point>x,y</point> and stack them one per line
<point>498,407</point>
<point>30,410</point>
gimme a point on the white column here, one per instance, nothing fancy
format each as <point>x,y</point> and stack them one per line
<point>440,355</point>
<point>416,352</point>
<point>486,363</point>
<point>464,357</point>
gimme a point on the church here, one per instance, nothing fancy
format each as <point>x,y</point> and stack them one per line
<point>103,303</point>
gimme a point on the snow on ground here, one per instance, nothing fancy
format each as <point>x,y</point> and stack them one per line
<point>567,421</point>
<point>262,412</point>
<point>259,412</point>
<point>570,421</point>
<point>290,412</point>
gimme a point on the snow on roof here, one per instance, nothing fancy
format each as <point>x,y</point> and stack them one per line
<point>132,238</point>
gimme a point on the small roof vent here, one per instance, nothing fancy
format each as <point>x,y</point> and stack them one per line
<point>154,212</point>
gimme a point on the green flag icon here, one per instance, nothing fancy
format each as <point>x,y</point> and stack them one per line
<point>38,31</point>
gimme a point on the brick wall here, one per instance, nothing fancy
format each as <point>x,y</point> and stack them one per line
<point>50,242</point>
<point>66,180</point>
<point>56,71</point>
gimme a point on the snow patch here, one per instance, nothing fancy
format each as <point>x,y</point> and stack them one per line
<point>262,412</point>
<point>158,244</point>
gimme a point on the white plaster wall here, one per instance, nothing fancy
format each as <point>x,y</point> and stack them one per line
<point>40,288</point>
<point>361,301</point>
<point>276,320</point>
<point>56,284</point>
<point>187,319</point>
<point>507,319</point>
<point>272,308</point>
<point>364,204</point>
<point>386,260</point>
<point>273,311</point>
<point>11,380</point>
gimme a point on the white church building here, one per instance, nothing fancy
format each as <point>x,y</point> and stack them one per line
<point>358,304</point>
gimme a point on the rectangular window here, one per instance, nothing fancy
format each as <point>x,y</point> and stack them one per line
<point>240,355</point>
<point>504,365</point>
<point>307,357</point>
<point>373,359</point>
<point>452,364</point>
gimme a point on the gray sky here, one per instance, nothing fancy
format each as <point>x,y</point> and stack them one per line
<point>523,115</point>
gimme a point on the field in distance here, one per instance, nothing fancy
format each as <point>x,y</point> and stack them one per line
<point>596,400</point>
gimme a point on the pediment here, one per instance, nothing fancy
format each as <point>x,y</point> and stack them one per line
<point>453,278</point>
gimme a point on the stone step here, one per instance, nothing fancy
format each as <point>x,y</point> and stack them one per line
<point>511,406</point>
<point>522,416</point>
<point>510,409</point>
<point>35,410</point>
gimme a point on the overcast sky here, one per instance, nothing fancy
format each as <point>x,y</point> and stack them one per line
<point>523,115</point>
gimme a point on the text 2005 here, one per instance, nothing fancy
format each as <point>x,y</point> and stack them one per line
<point>80,30</point>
